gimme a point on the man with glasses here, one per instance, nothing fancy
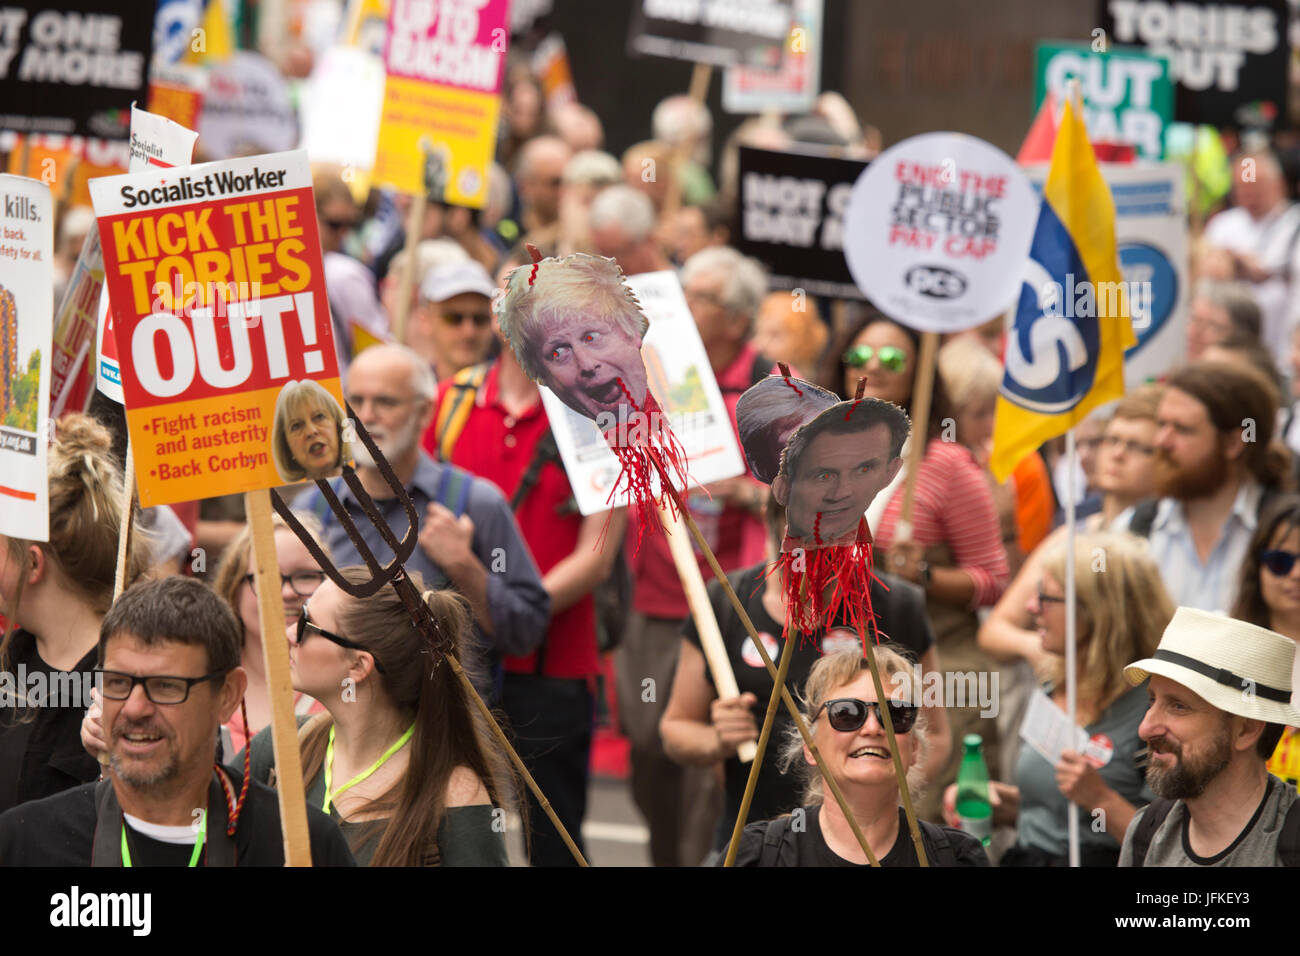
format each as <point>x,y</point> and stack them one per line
<point>170,676</point>
<point>451,327</point>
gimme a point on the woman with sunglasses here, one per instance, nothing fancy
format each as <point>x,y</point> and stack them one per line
<point>954,552</point>
<point>1123,609</point>
<point>401,758</point>
<point>840,704</point>
<point>1269,595</point>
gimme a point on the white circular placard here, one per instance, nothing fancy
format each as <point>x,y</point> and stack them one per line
<point>937,231</point>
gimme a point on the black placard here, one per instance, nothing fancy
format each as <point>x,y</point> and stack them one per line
<point>73,68</point>
<point>717,32</point>
<point>1228,57</point>
<point>791,218</point>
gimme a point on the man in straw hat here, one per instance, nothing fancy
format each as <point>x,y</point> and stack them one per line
<point>1220,692</point>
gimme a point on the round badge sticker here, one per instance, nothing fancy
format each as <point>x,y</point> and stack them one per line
<point>1099,750</point>
<point>840,639</point>
<point>749,653</point>
<point>937,230</point>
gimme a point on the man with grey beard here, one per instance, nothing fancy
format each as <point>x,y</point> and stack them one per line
<point>1220,692</point>
<point>468,539</point>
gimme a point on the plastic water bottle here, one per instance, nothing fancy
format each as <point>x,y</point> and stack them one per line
<point>973,808</point>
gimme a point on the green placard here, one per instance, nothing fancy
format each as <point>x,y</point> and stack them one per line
<point>1127,97</point>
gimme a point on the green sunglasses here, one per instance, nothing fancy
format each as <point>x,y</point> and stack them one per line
<point>891,357</point>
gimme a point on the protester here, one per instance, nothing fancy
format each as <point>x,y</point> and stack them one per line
<point>1247,351</point>
<point>699,227</point>
<point>586,175</point>
<point>1218,310</point>
<point>1220,698</point>
<point>538,177</point>
<point>54,596</point>
<point>622,222</point>
<point>841,706</point>
<point>169,659</point>
<point>468,539</point>
<point>429,255</point>
<point>1269,596</point>
<point>701,729</point>
<point>353,297</point>
<point>490,421</point>
<point>578,126</point>
<point>955,553</point>
<point>788,328</point>
<point>1122,610</point>
<point>451,327</point>
<point>427,804</point>
<point>1216,467</point>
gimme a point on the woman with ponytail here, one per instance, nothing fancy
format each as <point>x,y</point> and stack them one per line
<point>54,595</point>
<point>401,759</point>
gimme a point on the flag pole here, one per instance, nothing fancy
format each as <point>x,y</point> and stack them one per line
<point>1071,670</point>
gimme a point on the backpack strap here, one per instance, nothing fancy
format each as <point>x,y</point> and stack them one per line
<point>453,488</point>
<point>937,845</point>
<point>456,407</point>
<point>773,839</point>
<point>545,451</point>
<point>1144,516</point>
<point>1154,815</point>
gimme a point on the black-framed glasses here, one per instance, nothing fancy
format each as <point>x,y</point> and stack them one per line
<point>304,583</point>
<point>305,627</point>
<point>159,688</point>
<point>1044,598</point>
<point>1129,445</point>
<point>847,714</point>
<point>1278,562</point>
<point>891,357</point>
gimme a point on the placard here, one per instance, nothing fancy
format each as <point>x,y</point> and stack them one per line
<point>219,301</point>
<point>792,208</point>
<point>681,379</point>
<point>26,316</point>
<point>73,68</point>
<point>793,86</point>
<point>247,106</point>
<point>937,231</point>
<point>716,32</point>
<point>1127,97</point>
<point>1229,58</point>
<point>442,97</point>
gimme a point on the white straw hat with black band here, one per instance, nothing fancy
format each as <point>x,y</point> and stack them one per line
<point>1234,666</point>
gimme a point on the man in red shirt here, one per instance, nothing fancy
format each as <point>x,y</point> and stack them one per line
<point>490,421</point>
<point>724,291</point>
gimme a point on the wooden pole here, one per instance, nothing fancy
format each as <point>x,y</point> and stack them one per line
<point>275,658</point>
<point>125,528</point>
<point>706,624</point>
<point>787,655</point>
<point>406,280</point>
<point>888,720</point>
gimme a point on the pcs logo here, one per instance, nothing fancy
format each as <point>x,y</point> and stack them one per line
<point>935,282</point>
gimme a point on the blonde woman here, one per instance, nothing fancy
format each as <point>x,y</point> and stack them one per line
<point>840,704</point>
<point>55,594</point>
<point>307,438</point>
<point>1123,609</point>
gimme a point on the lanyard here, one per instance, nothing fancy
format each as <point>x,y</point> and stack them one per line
<point>329,765</point>
<point>198,844</point>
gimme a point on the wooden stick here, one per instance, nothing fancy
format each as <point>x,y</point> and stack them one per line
<point>406,280</point>
<point>706,624</point>
<point>468,686</point>
<point>899,772</point>
<point>787,655</point>
<point>275,658</point>
<point>921,396</point>
<point>786,699</point>
<point>699,91</point>
<point>125,528</point>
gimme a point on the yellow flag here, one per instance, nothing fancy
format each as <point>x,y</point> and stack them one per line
<point>1065,350</point>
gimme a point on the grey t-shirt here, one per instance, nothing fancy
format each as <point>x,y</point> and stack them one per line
<point>1256,846</point>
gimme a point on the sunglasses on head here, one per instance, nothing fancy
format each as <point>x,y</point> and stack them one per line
<point>891,356</point>
<point>1278,562</point>
<point>847,714</point>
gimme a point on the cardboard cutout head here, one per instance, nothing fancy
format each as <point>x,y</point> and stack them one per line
<point>308,438</point>
<point>577,329</point>
<point>769,413</point>
<point>836,464</point>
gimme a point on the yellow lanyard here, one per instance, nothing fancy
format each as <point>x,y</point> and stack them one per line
<point>198,844</point>
<point>329,765</point>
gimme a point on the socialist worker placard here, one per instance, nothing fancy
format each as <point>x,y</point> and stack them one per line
<point>218,292</point>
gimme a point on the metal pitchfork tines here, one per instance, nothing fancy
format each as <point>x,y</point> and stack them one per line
<point>395,573</point>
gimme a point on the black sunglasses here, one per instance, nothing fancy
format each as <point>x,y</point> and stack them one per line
<point>847,714</point>
<point>1279,563</point>
<point>305,626</point>
<point>159,688</point>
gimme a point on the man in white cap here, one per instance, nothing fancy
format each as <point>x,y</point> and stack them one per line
<point>451,327</point>
<point>1220,692</point>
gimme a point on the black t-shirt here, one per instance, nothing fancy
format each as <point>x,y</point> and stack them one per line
<point>40,745</point>
<point>60,831</point>
<point>807,847</point>
<point>900,614</point>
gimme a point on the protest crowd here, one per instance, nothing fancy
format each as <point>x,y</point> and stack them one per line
<point>448,369</point>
